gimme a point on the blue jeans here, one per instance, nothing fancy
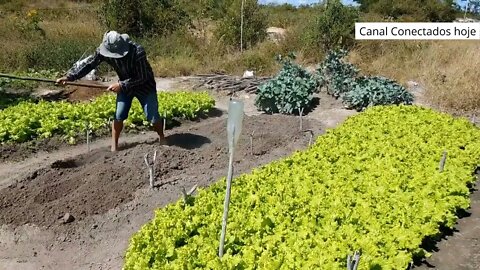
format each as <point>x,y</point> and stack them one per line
<point>148,102</point>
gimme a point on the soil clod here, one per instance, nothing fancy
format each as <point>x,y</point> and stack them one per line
<point>67,218</point>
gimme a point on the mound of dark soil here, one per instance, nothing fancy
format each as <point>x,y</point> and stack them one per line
<point>96,182</point>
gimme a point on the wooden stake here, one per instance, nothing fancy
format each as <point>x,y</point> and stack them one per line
<point>442,161</point>
<point>352,263</point>
<point>151,167</point>
<point>301,122</point>
<point>311,136</point>
<point>227,200</point>
<point>87,128</point>
<point>164,122</point>
<point>251,142</point>
<point>241,29</point>
<point>189,193</point>
<point>356,258</point>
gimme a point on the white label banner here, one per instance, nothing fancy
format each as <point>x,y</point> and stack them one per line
<point>417,31</point>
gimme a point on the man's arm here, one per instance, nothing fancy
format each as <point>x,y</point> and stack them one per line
<point>83,69</point>
<point>141,71</point>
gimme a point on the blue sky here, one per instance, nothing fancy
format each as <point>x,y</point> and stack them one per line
<point>300,2</point>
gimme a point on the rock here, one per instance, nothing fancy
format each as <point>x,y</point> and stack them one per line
<point>248,74</point>
<point>67,218</point>
<point>412,84</point>
<point>276,34</point>
<point>94,226</point>
<point>62,238</point>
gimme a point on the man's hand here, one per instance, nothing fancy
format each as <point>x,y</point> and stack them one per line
<point>62,80</point>
<point>115,87</point>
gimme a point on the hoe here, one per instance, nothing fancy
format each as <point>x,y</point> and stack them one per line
<point>51,81</point>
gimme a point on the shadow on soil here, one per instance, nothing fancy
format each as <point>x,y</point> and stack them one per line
<point>187,140</point>
<point>11,99</point>
<point>430,244</point>
<point>313,105</point>
<point>215,112</point>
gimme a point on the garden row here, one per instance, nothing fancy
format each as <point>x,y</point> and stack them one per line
<point>291,91</point>
<point>373,184</point>
<point>31,120</point>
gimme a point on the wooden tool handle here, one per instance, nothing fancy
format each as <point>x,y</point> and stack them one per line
<point>52,81</point>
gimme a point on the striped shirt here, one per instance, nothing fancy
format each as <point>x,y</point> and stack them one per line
<point>134,72</point>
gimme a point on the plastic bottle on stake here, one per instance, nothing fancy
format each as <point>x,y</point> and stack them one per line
<point>234,123</point>
<point>234,128</point>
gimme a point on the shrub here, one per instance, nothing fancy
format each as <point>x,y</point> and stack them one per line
<point>57,54</point>
<point>143,18</point>
<point>335,74</point>
<point>290,91</point>
<point>254,24</point>
<point>334,27</point>
<point>372,91</point>
<point>430,10</point>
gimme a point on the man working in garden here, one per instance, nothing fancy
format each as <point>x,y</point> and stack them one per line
<point>136,79</point>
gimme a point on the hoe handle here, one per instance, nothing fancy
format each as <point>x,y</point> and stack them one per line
<point>52,81</point>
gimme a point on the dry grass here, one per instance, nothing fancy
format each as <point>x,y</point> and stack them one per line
<point>259,59</point>
<point>65,32</point>
<point>84,29</point>
<point>175,66</point>
<point>447,70</point>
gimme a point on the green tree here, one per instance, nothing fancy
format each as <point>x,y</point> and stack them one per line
<point>254,24</point>
<point>144,17</point>
<point>417,10</point>
<point>334,27</point>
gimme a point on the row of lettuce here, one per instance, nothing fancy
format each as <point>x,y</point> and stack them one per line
<point>372,184</point>
<point>29,120</point>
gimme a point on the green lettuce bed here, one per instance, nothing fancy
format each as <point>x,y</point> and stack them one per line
<point>372,184</point>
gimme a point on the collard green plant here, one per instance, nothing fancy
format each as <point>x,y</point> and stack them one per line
<point>341,79</point>
<point>290,91</point>
<point>335,74</point>
<point>372,91</point>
